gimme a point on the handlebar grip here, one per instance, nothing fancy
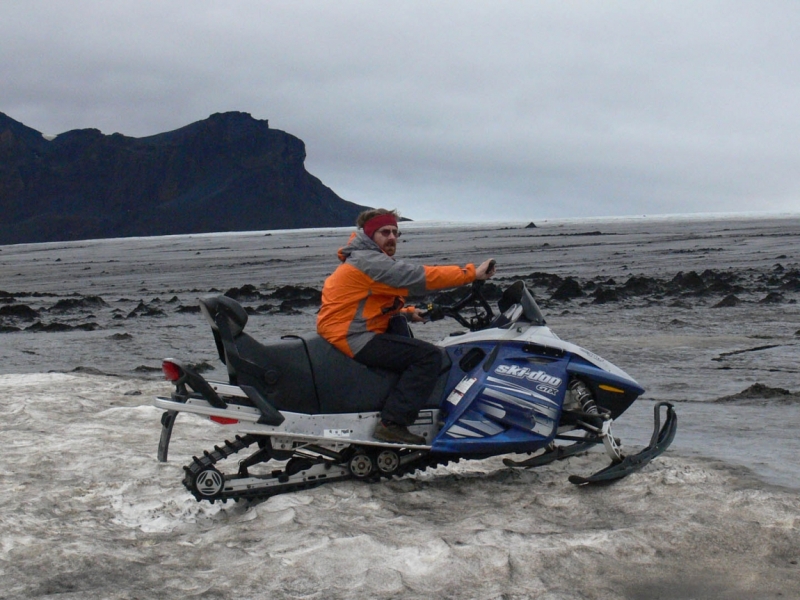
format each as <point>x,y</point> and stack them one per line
<point>433,312</point>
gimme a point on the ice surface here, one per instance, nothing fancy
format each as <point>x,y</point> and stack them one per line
<point>86,510</point>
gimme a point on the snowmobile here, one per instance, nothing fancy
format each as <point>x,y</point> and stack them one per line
<point>508,386</point>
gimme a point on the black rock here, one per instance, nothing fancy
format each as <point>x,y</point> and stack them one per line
<point>142,310</point>
<point>119,337</point>
<point>759,391</point>
<point>689,281</point>
<point>568,290</point>
<point>188,309</point>
<point>639,286</point>
<point>87,302</point>
<point>19,311</point>
<point>728,301</point>
<point>49,328</point>
<point>603,295</point>
<point>292,297</point>
<point>294,292</point>
<point>773,298</point>
<point>246,292</point>
<point>549,280</point>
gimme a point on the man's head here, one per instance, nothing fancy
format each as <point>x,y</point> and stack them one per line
<point>380,225</point>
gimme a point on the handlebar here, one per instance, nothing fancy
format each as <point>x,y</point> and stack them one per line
<point>480,320</point>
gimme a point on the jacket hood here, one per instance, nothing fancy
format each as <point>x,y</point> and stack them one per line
<point>358,241</point>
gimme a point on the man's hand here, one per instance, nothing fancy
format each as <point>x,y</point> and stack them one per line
<point>485,270</point>
<point>416,316</point>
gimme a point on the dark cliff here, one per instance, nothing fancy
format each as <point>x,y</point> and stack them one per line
<point>230,172</point>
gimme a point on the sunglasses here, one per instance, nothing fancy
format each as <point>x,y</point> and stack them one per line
<point>387,231</point>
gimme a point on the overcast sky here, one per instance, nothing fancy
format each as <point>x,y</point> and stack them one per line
<point>465,110</point>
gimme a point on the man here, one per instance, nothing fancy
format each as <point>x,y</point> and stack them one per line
<point>364,293</point>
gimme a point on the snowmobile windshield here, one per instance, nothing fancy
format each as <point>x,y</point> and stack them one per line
<point>518,293</point>
<point>531,309</point>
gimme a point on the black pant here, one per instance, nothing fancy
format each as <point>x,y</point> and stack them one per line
<point>419,364</point>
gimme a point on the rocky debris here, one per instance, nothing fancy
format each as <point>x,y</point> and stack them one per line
<point>188,309</point>
<point>568,290</point>
<point>295,296</point>
<point>641,286</point>
<point>603,295</point>
<point>549,280</point>
<point>289,299</point>
<point>728,301</point>
<point>773,298</point>
<point>83,303</point>
<point>287,308</point>
<point>758,393</point>
<point>143,310</point>
<point>55,327</point>
<point>19,311</point>
<point>684,287</point>
<point>120,337</point>
<point>246,293</point>
<point>680,304</point>
<point>90,371</point>
<point>724,355</point>
<point>690,281</point>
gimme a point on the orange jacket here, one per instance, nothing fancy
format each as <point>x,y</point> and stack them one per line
<point>369,287</point>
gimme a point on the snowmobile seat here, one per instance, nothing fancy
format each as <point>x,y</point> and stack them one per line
<point>304,374</point>
<point>345,385</point>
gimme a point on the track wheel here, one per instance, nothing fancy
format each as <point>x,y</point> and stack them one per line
<point>361,465</point>
<point>209,483</point>
<point>388,461</point>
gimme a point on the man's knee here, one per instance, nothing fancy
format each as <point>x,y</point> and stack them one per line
<point>431,357</point>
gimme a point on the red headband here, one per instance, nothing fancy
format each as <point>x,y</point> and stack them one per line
<point>375,223</point>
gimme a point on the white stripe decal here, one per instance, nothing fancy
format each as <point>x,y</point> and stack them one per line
<point>518,388</point>
<point>484,426</point>
<point>455,429</point>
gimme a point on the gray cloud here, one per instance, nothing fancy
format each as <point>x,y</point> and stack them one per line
<point>449,109</point>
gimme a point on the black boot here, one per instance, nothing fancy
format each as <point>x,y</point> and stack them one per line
<point>397,434</point>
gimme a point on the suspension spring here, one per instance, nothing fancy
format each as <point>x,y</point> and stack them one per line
<point>583,396</point>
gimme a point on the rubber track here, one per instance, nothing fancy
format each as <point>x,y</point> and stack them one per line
<point>210,459</point>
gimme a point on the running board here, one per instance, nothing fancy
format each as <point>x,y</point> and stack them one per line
<point>661,440</point>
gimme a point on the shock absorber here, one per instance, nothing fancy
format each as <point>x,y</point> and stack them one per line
<point>582,395</point>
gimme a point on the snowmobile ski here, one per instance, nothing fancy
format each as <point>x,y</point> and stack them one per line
<point>661,440</point>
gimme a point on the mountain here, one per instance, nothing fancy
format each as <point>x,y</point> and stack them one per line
<point>229,172</point>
